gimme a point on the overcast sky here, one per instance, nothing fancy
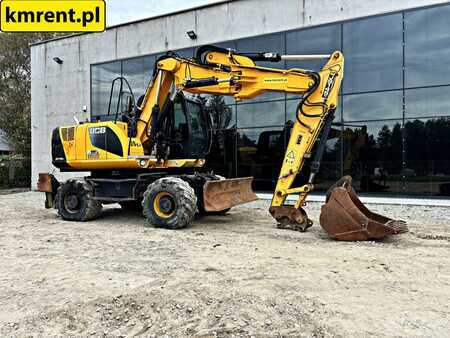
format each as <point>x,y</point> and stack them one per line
<point>120,11</point>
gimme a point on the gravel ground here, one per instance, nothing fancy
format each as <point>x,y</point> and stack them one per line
<point>227,275</point>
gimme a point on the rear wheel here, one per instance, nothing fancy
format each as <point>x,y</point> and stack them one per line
<point>169,203</point>
<point>74,201</point>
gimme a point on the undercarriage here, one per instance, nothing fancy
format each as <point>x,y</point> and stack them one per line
<point>167,200</point>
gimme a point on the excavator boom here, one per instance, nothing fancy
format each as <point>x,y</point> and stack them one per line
<point>225,73</point>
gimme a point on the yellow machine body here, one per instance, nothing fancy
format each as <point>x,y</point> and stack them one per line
<point>108,145</point>
<point>82,153</point>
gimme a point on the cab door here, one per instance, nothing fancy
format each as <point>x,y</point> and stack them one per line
<point>200,130</point>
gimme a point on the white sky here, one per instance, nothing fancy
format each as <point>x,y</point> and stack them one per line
<point>120,11</point>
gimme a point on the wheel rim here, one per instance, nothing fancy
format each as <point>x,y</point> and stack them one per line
<point>164,205</point>
<point>72,203</point>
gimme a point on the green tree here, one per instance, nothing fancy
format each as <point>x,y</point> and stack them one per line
<point>384,140</point>
<point>15,84</point>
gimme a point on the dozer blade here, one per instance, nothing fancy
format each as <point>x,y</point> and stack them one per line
<point>345,218</point>
<point>223,194</point>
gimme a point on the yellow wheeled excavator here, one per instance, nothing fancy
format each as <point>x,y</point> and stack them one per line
<point>151,152</point>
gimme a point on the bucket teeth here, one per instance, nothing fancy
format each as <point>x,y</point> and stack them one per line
<point>344,217</point>
<point>289,217</point>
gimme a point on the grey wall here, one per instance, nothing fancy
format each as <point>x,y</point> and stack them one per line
<point>60,91</point>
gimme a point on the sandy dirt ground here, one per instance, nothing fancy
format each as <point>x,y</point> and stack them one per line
<point>233,275</point>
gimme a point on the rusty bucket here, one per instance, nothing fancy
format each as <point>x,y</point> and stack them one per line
<point>49,184</point>
<point>219,195</point>
<point>44,183</point>
<point>291,218</point>
<point>345,218</point>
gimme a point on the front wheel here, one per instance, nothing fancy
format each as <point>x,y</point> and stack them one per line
<point>169,203</point>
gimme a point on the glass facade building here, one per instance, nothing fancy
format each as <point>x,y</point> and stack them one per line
<point>392,131</point>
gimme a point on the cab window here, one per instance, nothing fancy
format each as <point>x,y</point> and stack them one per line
<point>199,129</point>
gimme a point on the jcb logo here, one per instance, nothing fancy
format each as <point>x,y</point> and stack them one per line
<point>97,130</point>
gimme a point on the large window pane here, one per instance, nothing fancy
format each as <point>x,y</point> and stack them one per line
<point>373,106</point>
<point>260,154</point>
<point>427,46</point>
<point>427,144</point>
<point>260,114</point>
<point>138,72</point>
<point>372,155</point>
<point>222,157</point>
<point>320,40</point>
<point>373,53</point>
<point>223,115</point>
<point>102,77</point>
<point>424,102</point>
<point>266,43</point>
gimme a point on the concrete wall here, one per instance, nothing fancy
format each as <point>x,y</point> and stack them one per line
<point>60,91</point>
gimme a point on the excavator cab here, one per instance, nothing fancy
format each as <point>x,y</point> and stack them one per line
<point>185,129</point>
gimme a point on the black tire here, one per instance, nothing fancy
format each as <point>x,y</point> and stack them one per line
<point>131,205</point>
<point>75,203</point>
<point>169,203</point>
<point>202,210</point>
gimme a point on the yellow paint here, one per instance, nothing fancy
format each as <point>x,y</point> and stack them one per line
<point>156,204</point>
<point>293,165</point>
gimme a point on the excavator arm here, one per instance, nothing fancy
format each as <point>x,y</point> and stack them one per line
<point>223,72</point>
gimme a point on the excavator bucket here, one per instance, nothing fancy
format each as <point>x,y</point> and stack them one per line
<point>291,218</point>
<point>345,218</point>
<point>219,195</point>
